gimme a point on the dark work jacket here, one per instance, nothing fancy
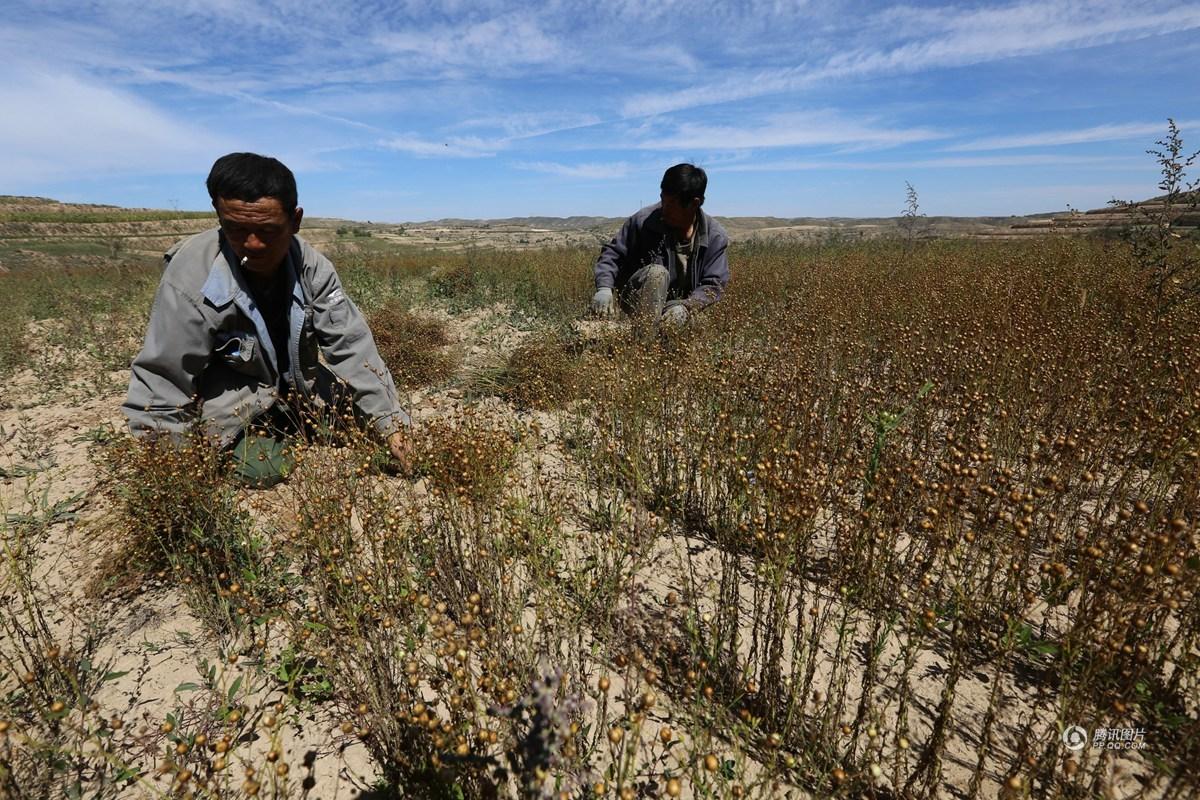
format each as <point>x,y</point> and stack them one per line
<point>644,239</point>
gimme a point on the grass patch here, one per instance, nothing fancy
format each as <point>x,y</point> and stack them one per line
<point>418,350</point>
<point>374,280</point>
<point>56,247</point>
<point>545,371</point>
<point>98,313</point>
<point>550,284</point>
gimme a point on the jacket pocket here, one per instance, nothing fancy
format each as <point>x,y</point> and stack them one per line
<point>309,347</point>
<point>237,349</point>
<point>338,306</point>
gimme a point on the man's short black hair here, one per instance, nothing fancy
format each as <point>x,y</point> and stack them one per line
<point>686,182</point>
<point>249,177</point>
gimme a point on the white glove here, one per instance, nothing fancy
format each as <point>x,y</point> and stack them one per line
<point>603,304</point>
<point>675,315</point>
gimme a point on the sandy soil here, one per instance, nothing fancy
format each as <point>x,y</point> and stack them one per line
<point>46,454</point>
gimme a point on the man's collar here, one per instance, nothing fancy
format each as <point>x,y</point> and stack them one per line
<point>654,220</point>
<point>222,286</point>
<point>699,233</point>
<point>226,280</point>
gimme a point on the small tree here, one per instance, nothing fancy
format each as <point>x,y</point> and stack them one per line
<point>910,217</point>
<point>1172,272</point>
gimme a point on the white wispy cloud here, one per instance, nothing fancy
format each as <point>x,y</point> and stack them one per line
<point>452,147</point>
<point>509,40</point>
<point>246,99</point>
<point>510,130</point>
<point>1097,133</point>
<point>532,124</point>
<point>591,171</point>
<point>376,102</point>
<point>356,88</point>
<point>941,38</point>
<point>795,129</point>
<point>60,126</point>
<point>1024,197</point>
<point>945,162</point>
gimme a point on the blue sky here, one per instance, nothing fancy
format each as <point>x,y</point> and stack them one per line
<point>396,111</point>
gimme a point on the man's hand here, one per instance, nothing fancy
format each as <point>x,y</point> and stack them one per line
<point>675,315</point>
<point>401,447</point>
<point>603,304</point>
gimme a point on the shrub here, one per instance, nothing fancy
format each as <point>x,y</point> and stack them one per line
<point>416,349</point>
<point>543,372</point>
<point>179,510</point>
<point>1171,266</point>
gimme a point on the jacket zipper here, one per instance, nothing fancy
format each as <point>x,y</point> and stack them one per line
<point>298,331</point>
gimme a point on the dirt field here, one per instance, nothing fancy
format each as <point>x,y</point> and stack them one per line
<point>859,545</point>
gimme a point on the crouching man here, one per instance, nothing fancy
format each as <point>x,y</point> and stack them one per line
<point>668,261</point>
<point>249,324</point>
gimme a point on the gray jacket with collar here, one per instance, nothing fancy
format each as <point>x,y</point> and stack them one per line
<point>208,355</point>
<point>644,239</point>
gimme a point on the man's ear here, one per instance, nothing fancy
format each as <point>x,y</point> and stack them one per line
<point>296,217</point>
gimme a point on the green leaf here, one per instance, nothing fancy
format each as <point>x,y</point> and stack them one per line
<point>186,687</point>
<point>1162,766</point>
<point>126,774</point>
<point>1046,648</point>
<point>112,676</point>
<point>1174,721</point>
<point>233,690</point>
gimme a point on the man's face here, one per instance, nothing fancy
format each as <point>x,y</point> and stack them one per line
<point>676,214</point>
<point>260,232</point>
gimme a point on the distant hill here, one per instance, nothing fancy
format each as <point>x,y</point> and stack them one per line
<point>1109,218</point>
<point>547,223</point>
<point>1114,218</point>
<point>741,228</point>
<point>39,231</point>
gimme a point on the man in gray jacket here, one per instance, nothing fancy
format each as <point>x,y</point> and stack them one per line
<point>668,261</point>
<point>249,321</point>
